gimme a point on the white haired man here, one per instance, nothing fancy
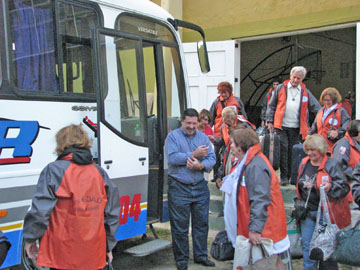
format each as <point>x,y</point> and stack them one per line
<point>288,115</point>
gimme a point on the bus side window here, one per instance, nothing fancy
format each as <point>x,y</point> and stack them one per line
<point>33,45</point>
<point>35,56</point>
<point>75,26</point>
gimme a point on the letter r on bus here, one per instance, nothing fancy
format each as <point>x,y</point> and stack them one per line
<point>27,133</point>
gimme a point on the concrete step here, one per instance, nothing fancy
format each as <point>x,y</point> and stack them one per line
<point>289,193</point>
<point>216,223</point>
<point>216,204</point>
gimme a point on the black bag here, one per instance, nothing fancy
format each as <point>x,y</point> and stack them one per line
<point>348,246</point>
<point>299,211</point>
<point>297,155</point>
<point>221,248</point>
<point>270,146</point>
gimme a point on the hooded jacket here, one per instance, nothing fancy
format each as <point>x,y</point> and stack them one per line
<point>75,211</point>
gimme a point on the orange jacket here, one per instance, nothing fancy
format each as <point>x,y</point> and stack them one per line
<point>276,108</point>
<point>75,211</point>
<point>263,211</point>
<point>217,107</point>
<point>331,122</point>
<point>329,171</point>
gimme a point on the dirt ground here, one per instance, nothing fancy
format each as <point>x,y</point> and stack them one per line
<point>164,259</point>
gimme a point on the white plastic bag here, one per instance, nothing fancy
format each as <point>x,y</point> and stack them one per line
<point>242,251</point>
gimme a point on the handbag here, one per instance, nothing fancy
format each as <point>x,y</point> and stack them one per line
<point>323,241</point>
<point>300,206</point>
<point>348,246</point>
<point>268,262</point>
<point>222,248</point>
<point>242,251</point>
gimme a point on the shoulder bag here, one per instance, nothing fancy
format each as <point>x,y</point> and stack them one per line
<point>268,262</point>
<point>348,246</point>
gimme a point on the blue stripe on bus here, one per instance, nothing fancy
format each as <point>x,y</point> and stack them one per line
<point>14,255</point>
<point>132,228</point>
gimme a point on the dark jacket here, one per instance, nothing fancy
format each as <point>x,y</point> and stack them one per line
<point>75,211</point>
<point>356,183</point>
<point>329,170</point>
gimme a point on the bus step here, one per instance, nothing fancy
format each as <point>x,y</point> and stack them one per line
<point>148,247</point>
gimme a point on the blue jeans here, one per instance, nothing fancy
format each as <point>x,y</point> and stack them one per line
<point>307,229</point>
<point>185,200</point>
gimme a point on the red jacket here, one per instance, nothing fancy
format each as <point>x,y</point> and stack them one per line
<point>329,171</point>
<point>217,107</point>
<point>75,211</point>
<point>263,210</point>
<point>331,122</point>
<point>281,105</point>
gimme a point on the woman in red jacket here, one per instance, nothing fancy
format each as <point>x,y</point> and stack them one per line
<point>332,120</point>
<point>318,170</point>
<point>257,208</point>
<point>75,209</point>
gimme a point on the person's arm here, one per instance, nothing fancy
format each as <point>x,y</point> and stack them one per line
<point>356,184</point>
<point>241,108</point>
<point>258,181</point>
<point>263,110</point>
<point>210,160</point>
<point>339,185</point>
<point>271,107</point>
<point>341,153</point>
<point>175,156</point>
<point>314,105</point>
<point>313,129</point>
<point>213,111</point>
<point>43,202</point>
<point>112,212</point>
<point>345,120</point>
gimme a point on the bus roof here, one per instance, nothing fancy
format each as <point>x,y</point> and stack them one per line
<point>146,7</point>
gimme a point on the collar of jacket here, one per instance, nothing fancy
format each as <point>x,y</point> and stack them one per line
<point>81,156</point>
<point>252,152</point>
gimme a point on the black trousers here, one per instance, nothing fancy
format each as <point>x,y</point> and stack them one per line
<point>288,138</point>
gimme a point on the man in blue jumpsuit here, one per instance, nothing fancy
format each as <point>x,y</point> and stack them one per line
<point>189,154</point>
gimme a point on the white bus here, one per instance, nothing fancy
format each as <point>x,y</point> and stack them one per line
<point>115,65</point>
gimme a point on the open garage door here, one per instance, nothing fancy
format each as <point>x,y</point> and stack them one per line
<point>224,57</point>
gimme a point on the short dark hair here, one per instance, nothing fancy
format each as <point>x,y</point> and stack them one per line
<point>354,128</point>
<point>189,112</point>
<point>276,79</point>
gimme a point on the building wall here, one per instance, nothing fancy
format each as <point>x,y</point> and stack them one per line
<point>232,19</point>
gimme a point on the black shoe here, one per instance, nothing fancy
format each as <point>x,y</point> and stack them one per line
<point>206,262</point>
<point>284,182</point>
<point>181,266</point>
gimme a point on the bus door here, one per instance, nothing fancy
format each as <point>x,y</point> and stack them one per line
<point>122,125</point>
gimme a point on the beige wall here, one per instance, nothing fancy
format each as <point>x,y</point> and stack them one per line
<point>231,19</point>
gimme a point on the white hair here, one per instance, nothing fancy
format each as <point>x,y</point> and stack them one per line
<point>298,69</point>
